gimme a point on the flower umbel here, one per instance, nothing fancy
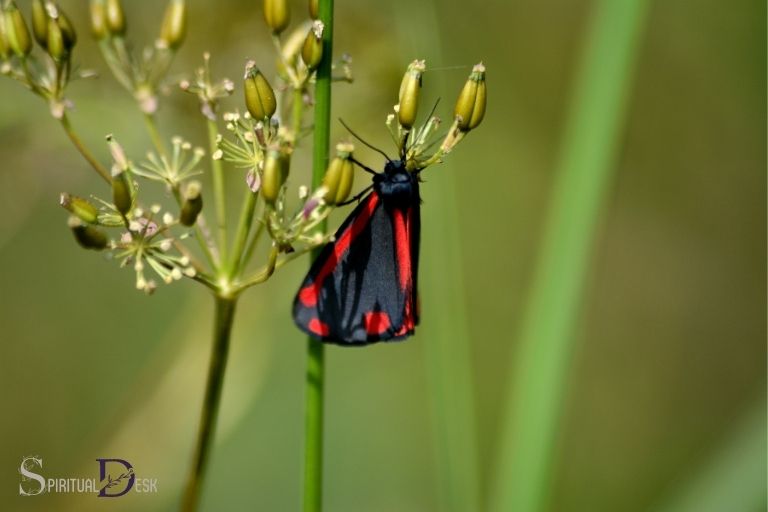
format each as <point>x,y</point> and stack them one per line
<point>182,164</point>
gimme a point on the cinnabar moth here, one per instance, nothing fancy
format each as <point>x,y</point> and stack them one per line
<point>362,288</point>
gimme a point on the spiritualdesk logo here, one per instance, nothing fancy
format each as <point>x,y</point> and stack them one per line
<point>116,478</point>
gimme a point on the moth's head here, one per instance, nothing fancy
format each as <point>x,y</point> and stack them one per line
<point>394,167</point>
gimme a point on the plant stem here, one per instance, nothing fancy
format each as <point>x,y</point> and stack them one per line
<point>315,377</point>
<point>297,110</point>
<point>254,241</point>
<point>218,192</point>
<point>225,311</point>
<point>154,134</point>
<point>243,229</point>
<point>313,450</point>
<point>83,150</point>
<point>541,365</point>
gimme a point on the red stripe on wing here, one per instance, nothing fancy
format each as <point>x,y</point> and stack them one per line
<point>310,294</point>
<point>403,248</point>
<point>402,228</point>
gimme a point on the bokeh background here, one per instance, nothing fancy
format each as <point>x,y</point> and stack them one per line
<point>664,390</point>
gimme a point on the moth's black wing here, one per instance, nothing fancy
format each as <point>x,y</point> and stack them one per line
<point>361,288</point>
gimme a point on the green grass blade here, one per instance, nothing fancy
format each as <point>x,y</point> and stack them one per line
<point>540,369</point>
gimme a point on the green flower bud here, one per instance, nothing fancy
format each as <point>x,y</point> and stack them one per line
<point>314,7</point>
<point>98,19</point>
<point>55,43</point>
<point>276,15</point>
<point>16,31</point>
<point>273,175</point>
<point>174,27</point>
<point>80,207</point>
<point>115,17</point>
<point>339,176</point>
<point>67,30</point>
<point>122,195</point>
<point>87,236</point>
<point>5,50</point>
<point>259,96</point>
<point>312,51</point>
<point>40,23</point>
<point>470,106</point>
<point>193,204</point>
<point>410,87</point>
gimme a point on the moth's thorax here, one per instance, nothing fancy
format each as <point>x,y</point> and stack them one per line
<point>396,185</point>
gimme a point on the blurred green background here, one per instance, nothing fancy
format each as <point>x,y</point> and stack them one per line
<point>665,394</point>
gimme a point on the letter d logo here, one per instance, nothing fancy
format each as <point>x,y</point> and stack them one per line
<point>126,478</point>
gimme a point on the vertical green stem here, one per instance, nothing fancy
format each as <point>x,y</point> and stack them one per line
<point>313,448</point>
<point>297,109</point>
<point>154,134</point>
<point>243,229</point>
<point>83,150</point>
<point>225,311</point>
<point>540,370</point>
<point>218,192</point>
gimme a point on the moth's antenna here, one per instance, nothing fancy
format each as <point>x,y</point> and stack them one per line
<point>361,140</point>
<point>363,167</point>
<point>434,108</point>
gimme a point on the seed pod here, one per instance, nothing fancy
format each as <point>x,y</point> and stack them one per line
<point>174,27</point>
<point>40,23</point>
<point>121,190</point>
<point>67,30</point>
<point>5,50</point>
<point>98,19</point>
<point>314,8</point>
<point>115,17</point>
<point>259,96</point>
<point>87,236</point>
<point>80,207</point>
<point>339,176</point>
<point>470,106</point>
<point>273,175</point>
<point>55,43</point>
<point>410,87</point>
<point>312,51</point>
<point>193,204</point>
<point>16,31</point>
<point>276,15</point>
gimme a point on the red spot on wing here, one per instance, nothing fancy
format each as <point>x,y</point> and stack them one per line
<point>376,322</point>
<point>309,295</point>
<point>318,327</point>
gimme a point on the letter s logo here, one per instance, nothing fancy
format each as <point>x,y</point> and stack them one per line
<point>28,463</point>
